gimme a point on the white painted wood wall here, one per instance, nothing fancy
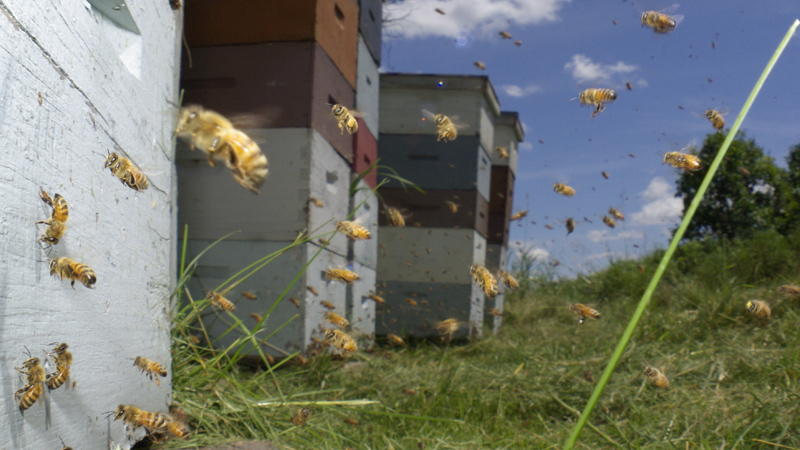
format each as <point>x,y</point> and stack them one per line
<point>74,85</point>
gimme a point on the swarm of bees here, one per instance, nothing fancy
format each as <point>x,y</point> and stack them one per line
<point>583,312</point>
<point>221,141</point>
<point>598,98</point>
<point>657,378</point>
<point>345,118</point>
<point>152,369</point>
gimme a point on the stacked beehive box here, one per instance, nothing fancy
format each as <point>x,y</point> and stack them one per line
<point>507,134</point>
<point>279,64</point>
<point>424,268</point>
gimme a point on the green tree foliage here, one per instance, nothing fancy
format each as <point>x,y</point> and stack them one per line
<point>748,192</point>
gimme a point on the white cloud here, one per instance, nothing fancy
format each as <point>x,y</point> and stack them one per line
<point>662,206</point>
<point>585,71</point>
<point>525,146</point>
<point>609,256</point>
<point>535,253</point>
<point>484,18</point>
<point>515,91</point>
<point>605,235</point>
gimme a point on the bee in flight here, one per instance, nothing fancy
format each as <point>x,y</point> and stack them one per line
<point>157,424</point>
<point>759,308</point>
<point>440,11</point>
<point>505,35</point>
<point>609,222</point>
<point>347,276</point>
<point>598,98</point>
<point>67,268</point>
<point>446,128</point>
<point>483,278</point>
<point>126,171</point>
<point>376,298</point>
<point>410,301</point>
<point>221,141</point>
<point>452,206</point>
<point>519,215</point>
<point>583,312</point>
<point>604,174</point>
<point>480,65</point>
<point>395,217</point>
<point>507,279</point>
<point>502,151</point>
<point>715,117</point>
<point>63,361</point>
<point>661,22</point>
<point>395,340</point>
<point>152,369</point>
<point>35,379</point>
<point>341,341</point>
<point>336,319</point>
<point>563,189</point>
<point>57,223</point>
<point>655,376</point>
<point>685,161</point>
<point>615,213</point>
<point>518,43</point>
<point>249,295</point>
<point>327,304</point>
<point>570,225</point>
<point>220,302</point>
<point>447,328</point>
<point>789,289</point>
<point>301,416</point>
<point>353,229</point>
<point>345,118</point>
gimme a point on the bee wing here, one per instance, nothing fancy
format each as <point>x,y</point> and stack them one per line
<point>361,220</point>
<point>678,18</point>
<point>457,123</point>
<point>355,113</point>
<point>671,9</point>
<point>724,112</point>
<point>428,114</point>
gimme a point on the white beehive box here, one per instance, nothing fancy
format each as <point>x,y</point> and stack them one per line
<point>472,98</point>
<point>361,309</point>
<point>508,133</point>
<point>367,87</point>
<point>76,85</point>
<point>366,251</point>
<point>302,165</point>
<point>496,258</point>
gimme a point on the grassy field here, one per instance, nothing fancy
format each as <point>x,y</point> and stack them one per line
<point>733,378</point>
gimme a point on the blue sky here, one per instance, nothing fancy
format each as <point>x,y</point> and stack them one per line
<point>568,46</point>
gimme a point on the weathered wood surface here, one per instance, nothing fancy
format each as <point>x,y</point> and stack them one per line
<point>73,86</point>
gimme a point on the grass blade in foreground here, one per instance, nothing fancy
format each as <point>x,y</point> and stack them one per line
<point>626,336</point>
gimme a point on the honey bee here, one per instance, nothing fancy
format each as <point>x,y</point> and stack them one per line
<point>502,151</point>
<point>598,98</point>
<point>483,278</point>
<point>519,215</point>
<point>505,35</point>
<point>495,312</point>
<point>570,225</point>
<point>350,421</point>
<point>716,119</point>
<point>327,304</point>
<point>446,129</point>
<point>35,379</point>
<point>378,299</point>
<point>312,290</point>
<point>518,43</point>
<point>301,416</point>
<point>604,174</point>
<point>759,308</point>
<point>563,189</point>
<point>615,213</point>
<point>150,368</point>
<point>628,86</point>
<point>789,289</point>
<point>220,302</point>
<point>63,361</point>
<point>658,379</point>
<point>347,276</point>
<point>480,65</point>
<point>411,301</point>
<point>353,229</point>
<point>134,417</point>
<point>256,316</point>
<point>58,218</point>
<point>448,327</point>
<point>507,279</point>
<point>126,171</point>
<point>395,217</point>
<point>75,271</point>
<point>345,118</point>
<point>175,4</point>
<point>609,222</point>
<point>214,134</point>
<point>661,22</point>
<point>249,295</point>
<point>395,340</point>
<point>336,319</point>
<point>295,301</point>
<point>177,428</point>
<point>744,171</point>
<point>317,202</point>
<point>440,11</point>
<point>583,311</point>
<point>341,341</point>
<point>452,206</point>
<point>408,391</point>
<point>686,161</point>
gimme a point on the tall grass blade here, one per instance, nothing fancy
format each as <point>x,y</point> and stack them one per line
<point>637,315</point>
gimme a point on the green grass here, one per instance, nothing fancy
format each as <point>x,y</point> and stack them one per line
<point>733,378</point>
